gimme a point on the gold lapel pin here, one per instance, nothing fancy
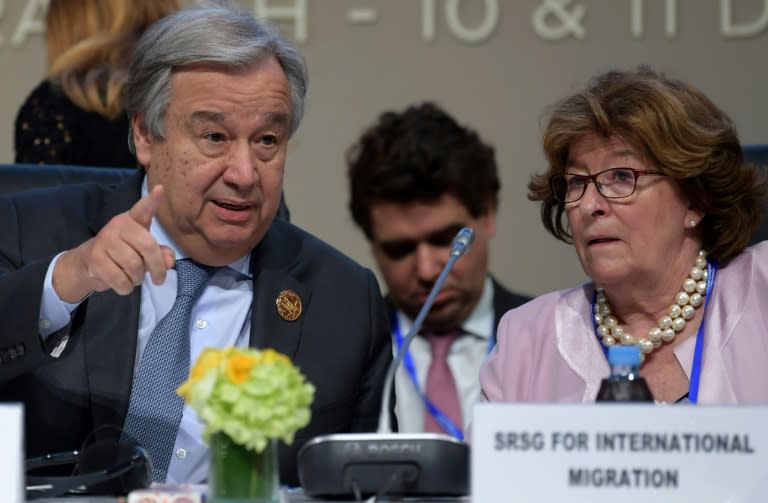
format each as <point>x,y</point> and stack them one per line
<point>288,305</point>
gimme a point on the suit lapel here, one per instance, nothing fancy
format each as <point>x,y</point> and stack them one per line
<point>110,325</point>
<point>271,263</point>
<point>503,301</point>
<point>109,334</point>
<point>719,379</point>
<point>501,305</point>
<point>576,339</point>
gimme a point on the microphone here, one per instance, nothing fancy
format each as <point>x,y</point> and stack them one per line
<point>459,247</point>
<point>362,464</point>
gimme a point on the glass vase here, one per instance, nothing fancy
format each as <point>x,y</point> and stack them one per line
<point>239,475</point>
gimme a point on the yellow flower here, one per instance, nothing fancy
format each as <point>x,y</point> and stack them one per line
<point>248,394</point>
<point>239,367</point>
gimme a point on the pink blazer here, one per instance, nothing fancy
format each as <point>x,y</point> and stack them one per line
<point>547,350</point>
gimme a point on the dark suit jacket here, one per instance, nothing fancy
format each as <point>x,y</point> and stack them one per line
<point>503,301</point>
<point>341,341</point>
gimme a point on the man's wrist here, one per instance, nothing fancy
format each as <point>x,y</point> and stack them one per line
<point>69,285</point>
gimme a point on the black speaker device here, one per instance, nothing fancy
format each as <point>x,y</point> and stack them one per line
<point>396,464</point>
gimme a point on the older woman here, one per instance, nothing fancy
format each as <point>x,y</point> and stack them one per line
<point>647,180</point>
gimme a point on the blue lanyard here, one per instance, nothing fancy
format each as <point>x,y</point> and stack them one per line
<point>693,388</point>
<point>444,421</point>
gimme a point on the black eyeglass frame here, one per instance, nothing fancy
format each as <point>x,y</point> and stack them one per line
<point>593,178</point>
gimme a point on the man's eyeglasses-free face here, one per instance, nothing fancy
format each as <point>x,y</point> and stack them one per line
<point>399,249</point>
<point>613,183</point>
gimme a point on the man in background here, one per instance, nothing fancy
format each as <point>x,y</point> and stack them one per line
<point>416,178</point>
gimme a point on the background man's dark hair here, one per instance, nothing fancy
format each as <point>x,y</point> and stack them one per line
<point>419,155</point>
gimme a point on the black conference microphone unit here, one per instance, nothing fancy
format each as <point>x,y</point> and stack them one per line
<point>403,464</point>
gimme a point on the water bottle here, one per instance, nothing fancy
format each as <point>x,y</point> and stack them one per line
<point>625,384</point>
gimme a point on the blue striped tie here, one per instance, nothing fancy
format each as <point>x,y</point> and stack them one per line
<point>155,410</point>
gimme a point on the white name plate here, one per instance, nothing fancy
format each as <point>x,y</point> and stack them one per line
<point>636,453</point>
<point>12,453</point>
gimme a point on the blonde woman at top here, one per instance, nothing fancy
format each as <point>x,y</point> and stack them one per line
<point>76,115</point>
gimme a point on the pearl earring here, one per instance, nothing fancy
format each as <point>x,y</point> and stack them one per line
<point>692,224</point>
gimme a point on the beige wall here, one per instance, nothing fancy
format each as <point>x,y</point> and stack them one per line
<point>500,84</point>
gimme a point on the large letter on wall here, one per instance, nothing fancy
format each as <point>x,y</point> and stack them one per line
<point>298,14</point>
<point>731,30</point>
<point>31,22</point>
<point>453,20</point>
<point>670,18</point>
<point>475,35</point>
<point>557,19</point>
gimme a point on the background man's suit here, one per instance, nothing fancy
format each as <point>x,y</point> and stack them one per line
<point>503,301</point>
<point>341,341</point>
<point>411,410</point>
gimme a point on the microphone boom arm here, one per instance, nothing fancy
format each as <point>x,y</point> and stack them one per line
<point>460,246</point>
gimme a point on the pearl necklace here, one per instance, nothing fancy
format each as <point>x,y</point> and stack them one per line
<point>684,308</point>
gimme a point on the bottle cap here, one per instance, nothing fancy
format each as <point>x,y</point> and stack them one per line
<point>624,355</point>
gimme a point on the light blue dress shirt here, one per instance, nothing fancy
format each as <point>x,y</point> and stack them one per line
<point>220,318</point>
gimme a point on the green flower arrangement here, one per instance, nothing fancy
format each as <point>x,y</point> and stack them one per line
<point>251,396</point>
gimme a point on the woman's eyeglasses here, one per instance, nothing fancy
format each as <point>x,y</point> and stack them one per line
<point>613,183</point>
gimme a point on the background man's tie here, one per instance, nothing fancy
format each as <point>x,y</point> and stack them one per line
<point>441,386</point>
<point>155,410</point>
